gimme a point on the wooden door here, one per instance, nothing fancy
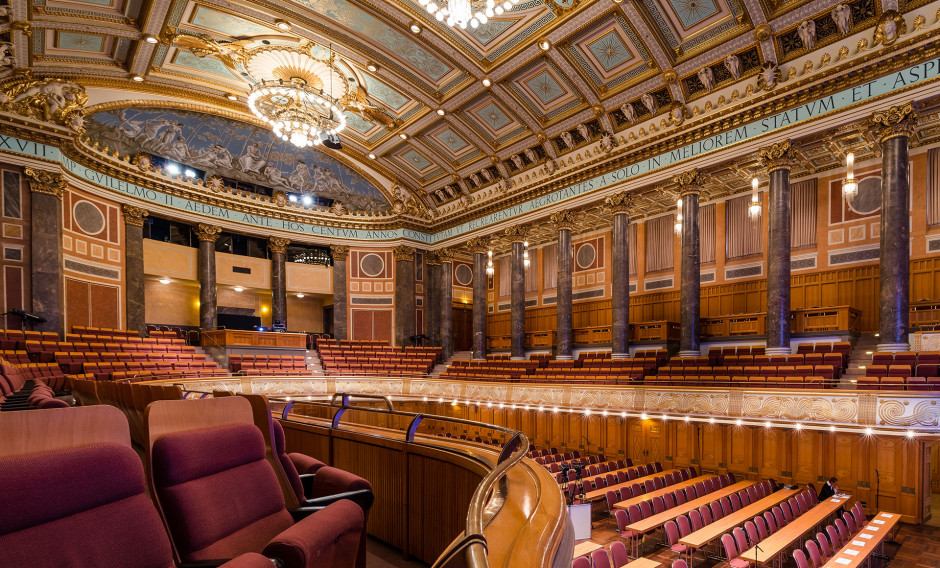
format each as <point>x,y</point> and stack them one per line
<point>463,328</point>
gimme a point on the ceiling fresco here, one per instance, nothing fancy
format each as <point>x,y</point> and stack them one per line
<point>461,120</point>
<point>235,150</point>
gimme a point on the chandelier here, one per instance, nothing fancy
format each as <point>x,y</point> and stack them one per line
<point>754,209</point>
<point>849,185</point>
<point>463,13</point>
<point>298,92</point>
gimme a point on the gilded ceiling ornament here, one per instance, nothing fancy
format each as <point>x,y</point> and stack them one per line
<point>6,55</point>
<point>43,181</point>
<point>689,182</point>
<point>769,76</point>
<point>431,258</point>
<point>143,162</point>
<point>46,100</point>
<point>478,245</point>
<point>782,155</point>
<point>516,233</point>
<point>677,113</point>
<point>670,76</point>
<point>445,255</point>
<point>842,16</point>
<point>217,184</point>
<point>890,27</point>
<point>564,219</point>
<point>402,252</point>
<point>208,233</point>
<point>895,121</point>
<point>339,252</point>
<point>338,208</point>
<point>607,142</point>
<point>280,198</point>
<point>621,202</point>
<point>22,26</point>
<point>134,215</point>
<point>278,245</point>
<point>762,32</point>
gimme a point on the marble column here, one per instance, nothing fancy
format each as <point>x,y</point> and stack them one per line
<point>478,246</point>
<point>208,306</point>
<point>620,205</point>
<point>564,222</point>
<point>404,294</point>
<point>278,246</point>
<point>340,311</point>
<point>517,236</point>
<point>895,126</point>
<point>446,299</point>
<point>778,159</point>
<point>134,296</point>
<point>690,184</point>
<point>46,190</point>
<point>432,315</point>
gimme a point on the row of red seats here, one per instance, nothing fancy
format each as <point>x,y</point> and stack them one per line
<point>828,371</point>
<point>925,370</point>
<point>906,358</point>
<point>74,362</point>
<point>14,380</point>
<point>899,383</point>
<point>104,371</point>
<point>16,339</point>
<point>268,364</point>
<point>112,332</point>
<point>17,356</point>
<point>836,359</point>
<point>728,381</point>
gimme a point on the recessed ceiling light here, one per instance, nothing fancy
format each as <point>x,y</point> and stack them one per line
<point>371,156</point>
<point>137,78</point>
<point>150,38</point>
<point>300,295</point>
<point>487,82</point>
<point>232,97</point>
<point>403,136</point>
<point>165,280</point>
<point>238,289</point>
<point>282,25</point>
<point>372,67</point>
<point>544,44</point>
<point>415,28</point>
<point>440,112</point>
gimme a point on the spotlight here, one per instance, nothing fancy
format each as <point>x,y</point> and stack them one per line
<point>910,434</point>
<point>150,38</point>
<point>768,424</point>
<point>403,136</point>
<point>487,82</point>
<point>231,97</point>
<point>173,169</point>
<point>371,156</point>
<point>165,281</point>
<point>292,198</point>
<point>238,289</point>
<point>307,200</point>
<point>415,28</point>
<point>190,173</point>
<point>643,416</point>
<point>544,44</point>
<point>868,431</point>
<point>282,25</point>
<point>372,67</point>
<point>440,112</point>
<point>738,422</point>
<point>137,77</point>
<point>300,295</point>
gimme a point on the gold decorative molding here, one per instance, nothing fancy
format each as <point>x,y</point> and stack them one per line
<point>762,32</point>
<point>44,181</point>
<point>516,233</point>
<point>340,252</point>
<point>431,258</point>
<point>402,252</point>
<point>564,219</point>
<point>278,245</point>
<point>890,27</point>
<point>208,233</point>
<point>47,100</point>
<point>898,120</point>
<point>689,182</point>
<point>134,215</point>
<point>622,202</point>
<point>479,245</point>
<point>445,255</point>
<point>779,156</point>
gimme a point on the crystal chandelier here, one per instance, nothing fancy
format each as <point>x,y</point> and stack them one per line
<point>297,94</point>
<point>463,13</point>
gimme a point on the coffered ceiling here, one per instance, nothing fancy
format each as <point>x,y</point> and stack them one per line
<point>561,74</point>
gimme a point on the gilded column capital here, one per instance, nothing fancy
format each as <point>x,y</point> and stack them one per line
<point>208,233</point>
<point>402,252</point>
<point>517,233</point>
<point>779,156</point>
<point>431,258</point>
<point>620,203</point>
<point>340,252</point>
<point>689,182</point>
<point>134,215</point>
<point>479,244</point>
<point>564,219</point>
<point>44,181</point>
<point>278,245</point>
<point>445,256</point>
<point>895,121</point>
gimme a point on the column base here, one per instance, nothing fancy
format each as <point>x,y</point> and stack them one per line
<point>621,356</point>
<point>517,358</point>
<point>564,357</point>
<point>690,353</point>
<point>892,347</point>
<point>778,350</point>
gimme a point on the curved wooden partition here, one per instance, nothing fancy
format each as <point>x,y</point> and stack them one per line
<point>444,501</point>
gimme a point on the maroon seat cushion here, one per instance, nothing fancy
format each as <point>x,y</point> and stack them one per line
<point>82,508</point>
<point>305,463</point>
<point>309,543</point>
<point>278,446</point>
<point>218,494</point>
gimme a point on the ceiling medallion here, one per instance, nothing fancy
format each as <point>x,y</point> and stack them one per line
<point>463,13</point>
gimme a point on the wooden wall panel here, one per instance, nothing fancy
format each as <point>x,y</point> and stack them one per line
<point>435,521</point>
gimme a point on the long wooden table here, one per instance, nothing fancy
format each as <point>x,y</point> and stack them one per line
<point>726,524</point>
<point>600,494</point>
<point>784,538</point>
<point>658,520</point>
<point>585,548</point>
<point>625,504</point>
<point>865,543</point>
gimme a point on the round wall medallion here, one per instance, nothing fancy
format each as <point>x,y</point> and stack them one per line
<point>88,217</point>
<point>868,198</point>
<point>372,265</point>
<point>464,274</point>
<point>586,255</point>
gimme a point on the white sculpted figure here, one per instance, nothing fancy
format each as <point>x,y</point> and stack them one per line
<point>733,65</point>
<point>707,77</point>
<point>584,131</point>
<point>649,102</point>
<point>475,178</point>
<point>807,33</point>
<point>530,155</point>
<point>842,16</point>
<point>6,54</point>
<point>517,160</point>
<point>629,112</point>
<point>252,160</point>
<point>568,139</point>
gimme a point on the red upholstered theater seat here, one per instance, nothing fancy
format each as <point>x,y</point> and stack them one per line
<point>221,498</point>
